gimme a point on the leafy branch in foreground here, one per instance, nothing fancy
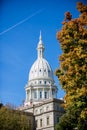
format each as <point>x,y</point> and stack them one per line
<point>72,73</point>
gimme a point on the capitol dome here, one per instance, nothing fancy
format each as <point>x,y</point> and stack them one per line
<point>41,84</point>
<point>40,69</point>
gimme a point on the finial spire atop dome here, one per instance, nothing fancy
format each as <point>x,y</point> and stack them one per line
<point>40,47</point>
<point>40,38</point>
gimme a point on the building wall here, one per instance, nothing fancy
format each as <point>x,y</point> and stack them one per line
<point>48,111</point>
<point>46,114</point>
<point>44,118</point>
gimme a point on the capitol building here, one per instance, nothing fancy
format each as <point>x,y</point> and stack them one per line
<point>41,94</point>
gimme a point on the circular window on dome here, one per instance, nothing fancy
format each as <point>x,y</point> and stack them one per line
<point>48,71</point>
<point>45,70</point>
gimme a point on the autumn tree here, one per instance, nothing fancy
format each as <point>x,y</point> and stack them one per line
<point>13,119</point>
<point>72,73</point>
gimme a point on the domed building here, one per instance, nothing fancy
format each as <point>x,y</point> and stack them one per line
<point>41,85</point>
<point>41,93</point>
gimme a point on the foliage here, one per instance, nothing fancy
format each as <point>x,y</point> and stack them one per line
<point>13,120</point>
<point>72,73</point>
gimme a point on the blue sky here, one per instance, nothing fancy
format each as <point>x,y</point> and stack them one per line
<point>20,25</point>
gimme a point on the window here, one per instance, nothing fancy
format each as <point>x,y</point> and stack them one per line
<point>48,71</point>
<point>40,82</point>
<point>36,111</point>
<point>30,122</point>
<point>35,82</point>
<point>45,94</point>
<point>40,122</point>
<point>36,123</point>
<point>40,94</point>
<point>62,110</point>
<point>45,70</point>
<point>35,94</point>
<point>40,52</point>
<point>47,120</point>
<point>57,119</point>
<point>27,94</point>
<point>47,108</point>
<point>53,92</point>
<point>44,82</point>
<point>40,110</point>
<point>57,107</point>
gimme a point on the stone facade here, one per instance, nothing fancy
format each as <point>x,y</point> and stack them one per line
<point>46,114</point>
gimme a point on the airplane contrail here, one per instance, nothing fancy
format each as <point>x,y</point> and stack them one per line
<point>22,21</point>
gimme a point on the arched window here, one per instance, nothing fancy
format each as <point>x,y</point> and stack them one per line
<point>47,120</point>
<point>40,82</point>
<point>36,123</point>
<point>45,95</point>
<point>40,122</point>
<point>35,94</point>
<point>44,82</point>
<point>40,94</point>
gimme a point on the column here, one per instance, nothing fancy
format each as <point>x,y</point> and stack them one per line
<point>30,94</point>
<point>50,91</point>
<point>37,94</point>
<point>26,96</point>
<point>43,93</point>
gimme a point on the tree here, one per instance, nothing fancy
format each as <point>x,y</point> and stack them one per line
<point>72,73</point>
<point>13,120</point>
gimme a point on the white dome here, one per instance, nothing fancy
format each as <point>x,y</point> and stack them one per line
<point>40,69</point>
<point>41,85</point>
